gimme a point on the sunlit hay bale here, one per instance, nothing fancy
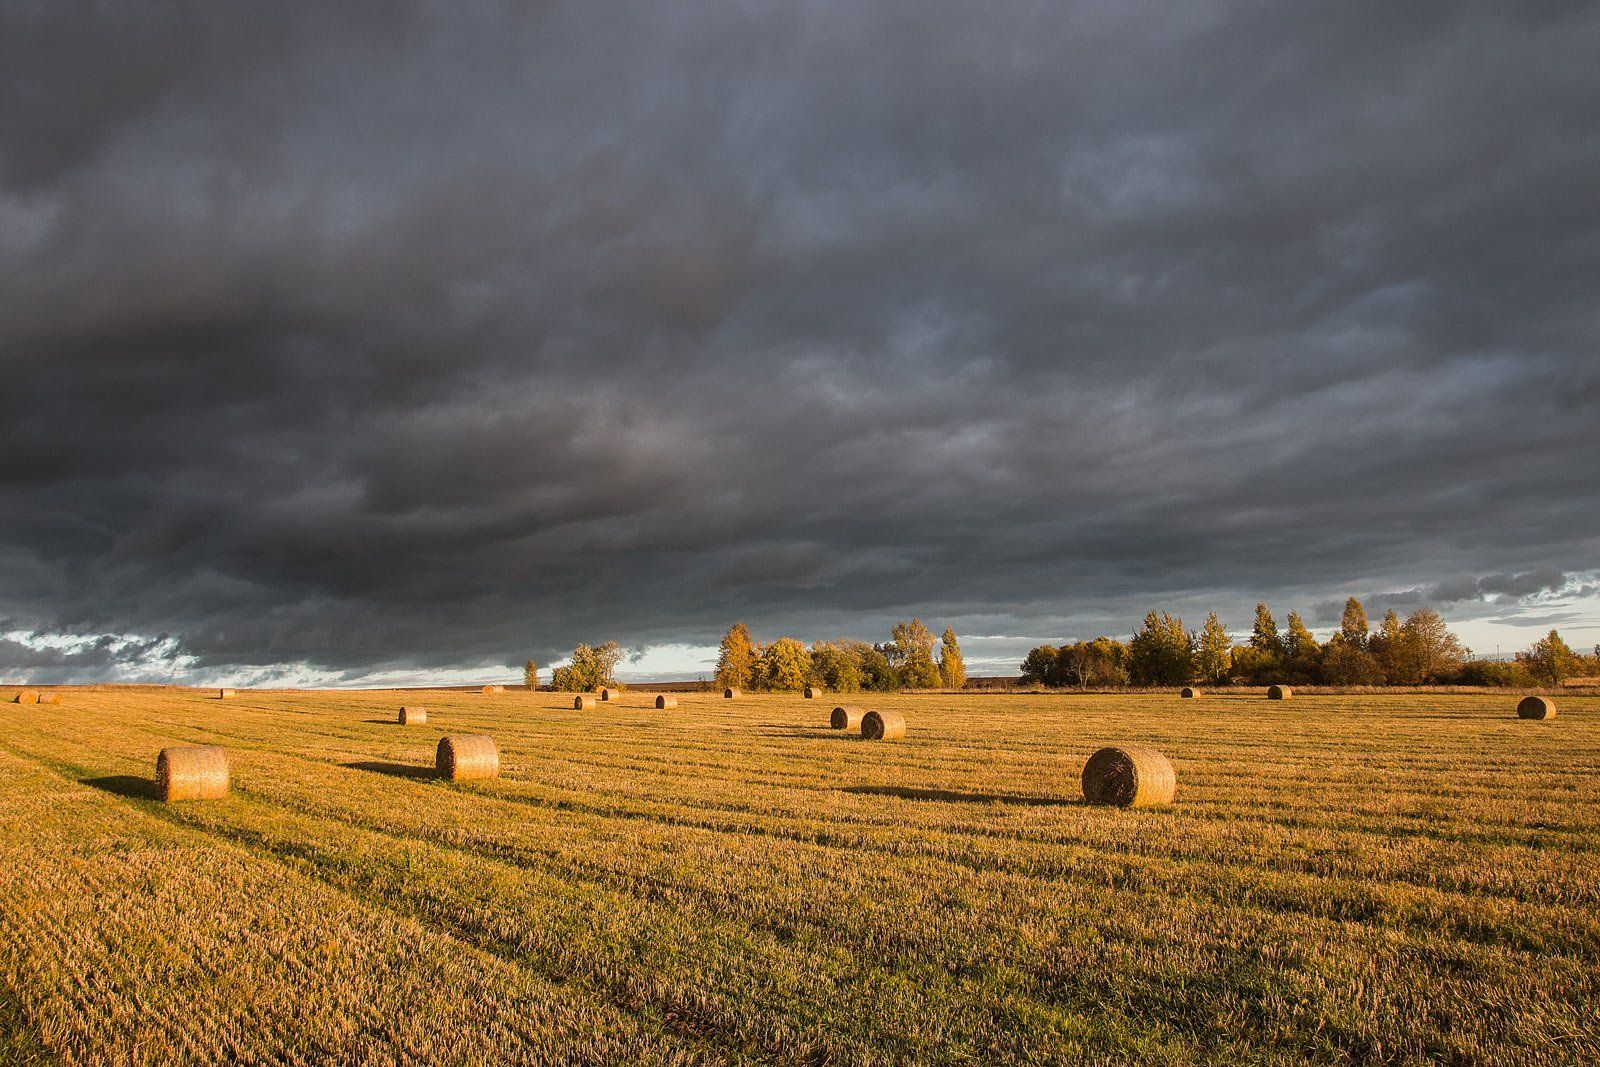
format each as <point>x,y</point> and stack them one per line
<point>731,693</point>
<point>412,716</point>
<point>192,772</point>
<point>1279,692</point>
<point>224,694</point>
<point>493,690</point>
<point>462,758</point>
<point>583,702</point>
<point>26,696</point>
<point>664,702</point>
<point>845,717</point>
<point>882,726</point>
<point>814,692</point>
<point>1189,693</point>
<point>49,698</point>
<point>1128,778</point>
<point>1536,708</point>
<point>608,693</point>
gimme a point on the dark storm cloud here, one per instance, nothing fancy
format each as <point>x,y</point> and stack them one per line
<point>393,335</point>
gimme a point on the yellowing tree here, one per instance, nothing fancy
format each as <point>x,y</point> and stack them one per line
<point>952,666</point>
<point>737,659</point>
<point>1214,655</point>
<point>911,654</point>
<point>784,666</point>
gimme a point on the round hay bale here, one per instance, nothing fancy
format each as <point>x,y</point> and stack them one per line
<point>664,702</point>
<point>26,696</point>
<point>813,692</point>
<point>608,693</point>
<point>1189,693</point>
<point>493,690</point>
<point>412,716</point>
<point>462,758</point>
<point>731,693</point>
<point>192,772</point>
<point>1536,708</point>
<point>845,717</point>
<point>224,694</point>
<point>1279,692</point>
<point>882,725</point>
<point>583,702</point>
<point>49,698</point>
<point>1128,778</point>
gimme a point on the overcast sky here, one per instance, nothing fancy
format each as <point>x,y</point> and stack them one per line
<point>342,343</point>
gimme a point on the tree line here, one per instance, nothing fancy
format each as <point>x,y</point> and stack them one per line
<point>1419,649</point>
<point>905,661</point>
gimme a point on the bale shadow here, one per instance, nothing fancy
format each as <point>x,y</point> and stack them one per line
<point>953,796</point>
<point>382,722</point>
<point>124,785</point>
<point>787,729</point>
<point>393,770</point>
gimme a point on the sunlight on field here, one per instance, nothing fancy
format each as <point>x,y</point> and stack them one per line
<point>1341,878</point>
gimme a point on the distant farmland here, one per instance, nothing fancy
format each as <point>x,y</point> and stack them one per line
<point>1371,878</point>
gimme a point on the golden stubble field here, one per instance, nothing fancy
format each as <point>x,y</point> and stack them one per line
<point>1343,879</point>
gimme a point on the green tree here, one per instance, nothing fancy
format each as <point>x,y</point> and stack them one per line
<point>952,665</point>
<point>911,654</point>
<point>1214,656</point>
<point>1162,652</point>
<point>1387,647</point>
<point>1302,653</point>
<point>1041,666</point>
<point>877,673</point>
<point>1353,626</point>
<point>1264,638</point>
<point>1431,653</point>
<point>784,666</point>
<point>590,668</point>
<point>836,667</point>
<point>530,674</point>
<point>1550,659</point>
<point>736,661</point>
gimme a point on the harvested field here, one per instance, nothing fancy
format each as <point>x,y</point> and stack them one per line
<point>1392,878</point>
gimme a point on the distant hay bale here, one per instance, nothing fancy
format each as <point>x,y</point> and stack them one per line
<point>192,772</point>
<point>224,694</point>
<point>493,690</point>
<point>26,696</point>
<point>1189,693</point>
<point>882,725</point>
<point>814,692</point>
<point>1536,708</point>
<point>583,702</point>
<point>1279,692</point>
<point>412,716</point>
<point>731,693</point>
<point>49,698</point>
<point>608,693</point>
<point>664,702</point>
<point>462,758</point>
<point>1128,778</point>
<point>845,717</point>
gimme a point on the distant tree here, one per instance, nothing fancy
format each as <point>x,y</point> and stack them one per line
<point>784,666</point>
<point>1387,647</point>
<point>1550,660</point>
<point>1101,663</point>
<point>1346,663</point>
<point>952,665</point>
<point>1430,652</point>
<point>877,673</point>
<point>590,668</point>
<point>1161,652</point>
<point>1213,656</point>
<point>836,668</point>
<point>737,658</point>
<point>530,674</point>
<point>1353,626</point>
<point>911,654</point>
<point>1264,638</point>
<point>1495,672</point>
<point>1302,654</point>
<point>1041,666</point>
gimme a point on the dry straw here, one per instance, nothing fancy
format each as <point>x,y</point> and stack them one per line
<point>493,690</point>
<point>813,692</point>
<point>582,702</point>
<point>1189,693</point>
<point>608,693</point>
<point>882,725</point>
<point>224,694</point>
<point>1128,778</point>
<point>412,716</point>
<point>845,717</point>
<point>462,758</point>
<point>1536,708</point>
<point>1279,692</point>
<point>731,693</point>
<point>663,702</point>
<point>49,698</point>
<point>26,696</point>
<point>192,772</point>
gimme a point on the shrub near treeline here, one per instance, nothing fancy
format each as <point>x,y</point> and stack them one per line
<point>1416,650</point>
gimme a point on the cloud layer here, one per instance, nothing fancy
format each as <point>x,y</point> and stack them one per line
<point>365,337</point>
